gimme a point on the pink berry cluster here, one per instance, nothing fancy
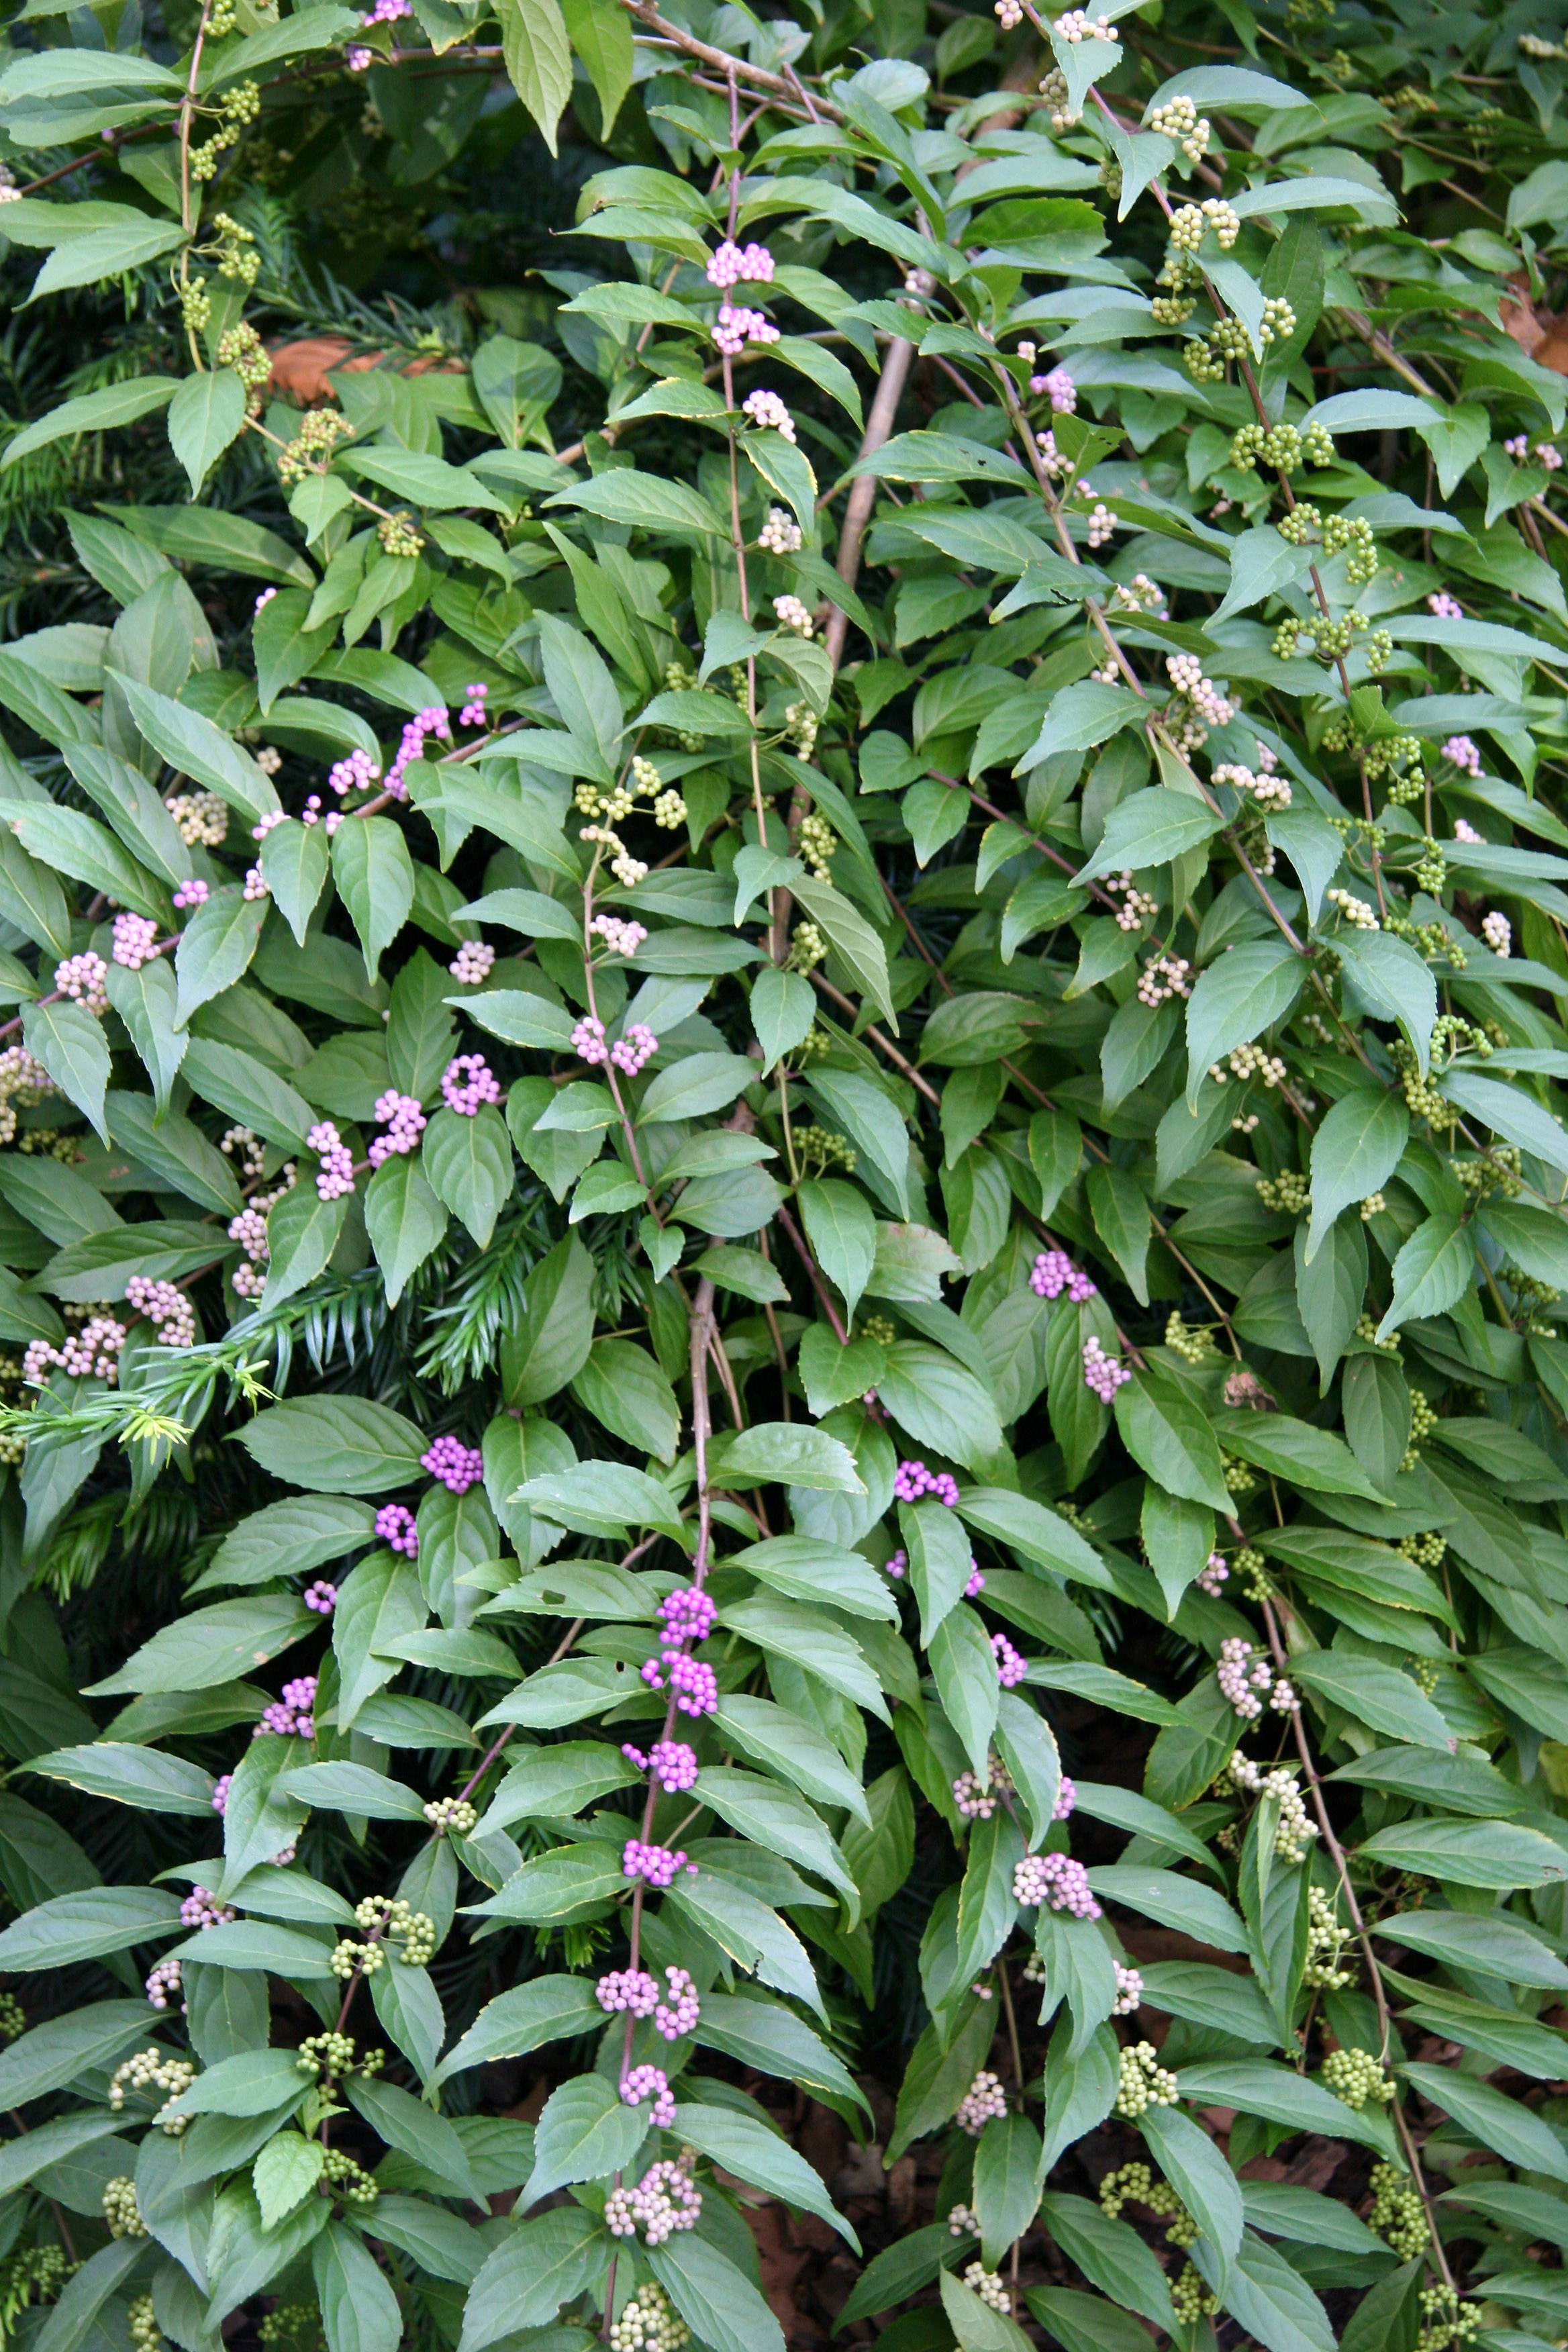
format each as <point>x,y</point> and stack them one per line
<point>457,1467</point>
<point>386,12</point>
<point>1011,1664</point>
<point>1212,1575</point>
<point>655,1866</point>
<point>588,1041</point>
<point>468,1083</point>
<point>1060,389</point>
<point>404,1124</point>
<point>620,939</point>
<point>898,1566</point>
<point>984,2098</point>
<point>911,1479</point>
<point>672,1763</point>
<point>1055,1271</point>
<point>192,893</point>
<point>633,1052</point>
<point>473,712</point>
<point>166,1308</point>
<point>649,2082</point>
<point>1464,753</point>
<point>1057,1882</point>
<point>1444,607</point>
<point>974,1803</point>
<point>736,326</point>
<point>687,1617</point>
<point>1102,1373</point>
<point>84,978</point>
<point>322,1598</point>
<point>135,940</point>
<point>1245,1678</point>
<point>357,771</point>
<point>1129,1991</point>
<point>627,1992</point>
<point>163,1982</point>
<point>734,264</point>
<point>201,1908</point>
<point>434,719</point>
<point>90,1354</point>
<point>395,1529</point>
<point>1464,831</point>
<point>1067,1800</point>
<point>473,963</point>
<point>634,1992</point>
<point>335,1176</point>
<point>292,1714</point>
<point>766,409</point>
<point>665,2199</point>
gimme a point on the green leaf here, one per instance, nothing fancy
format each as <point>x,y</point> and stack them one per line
<point>842,1231</point>
<point>1503,2125</point>
<point>286,2172</point>
<point>1150,828</point>
<point>359,2310</point>
<point>537,2267</point>
<point>85,1926</point>
<point>375,875</point>
<point>205,417</point>
<point>549,2009</point>
<point>71,1045</point>
<point>216,950</point>
<point>94,412</point>
<point>405,1220</point>
<point>1432,1273</point>
<point>1356,1149</point>
<point>717,2300</point>
<point>1168,1436</point>
<point>339,1445</point>
<point>194,747</point>
<point>585,2130</point>
<point>1245,993</point>
<point>761,2158</point>
<point>964,1667</point>
<point>789,1452</point>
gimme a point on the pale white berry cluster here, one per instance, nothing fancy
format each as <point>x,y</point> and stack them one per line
<point>1178,119</point>
<point>649,2323</point>
<point>1137,907</point>
<point>1078,25</point>
<point>792,615</point>
<point>1249,1062</point>
<point>988,2286</point>
<point>781,534</point>
<point>1164,977</point>
<point>152,2070</point>
<point>1190,223</point>
<point>1262,785</point>
<point>1295,1833</point>
<point>1245,1678</point>
<point>1497,933</point>
<point>1355,911</point>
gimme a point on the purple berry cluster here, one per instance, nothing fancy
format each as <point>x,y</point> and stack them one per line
<point>1055,1271</point>
<point>912,1480</point>
<point>394,1525</point>
<point>457,1467</point>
